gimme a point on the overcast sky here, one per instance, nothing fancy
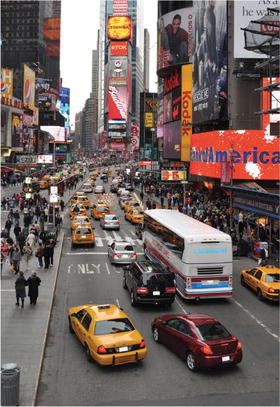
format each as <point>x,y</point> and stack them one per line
<point>79,25</point>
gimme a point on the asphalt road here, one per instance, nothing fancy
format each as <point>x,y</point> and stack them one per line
<point>86,276</point>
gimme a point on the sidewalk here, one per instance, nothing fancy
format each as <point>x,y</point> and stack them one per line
<point>24,331</point>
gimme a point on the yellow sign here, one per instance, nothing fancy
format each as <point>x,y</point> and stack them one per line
<point>29,87</point>
<point>173,175</point>
<point>7,83</point>
<point>148,119</point>
<point>186,112</point>
<point>119,28</point>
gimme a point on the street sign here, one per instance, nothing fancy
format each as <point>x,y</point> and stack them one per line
<point>28,196</point>
<point>53,198</point>
<point>54,190</point>
<point>28,180</point>
<point>184,182</point>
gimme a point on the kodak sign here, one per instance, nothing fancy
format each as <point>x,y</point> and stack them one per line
<point>119,48</point>
<point>186,112</point>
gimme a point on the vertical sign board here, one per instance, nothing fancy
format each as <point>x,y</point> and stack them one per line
<point>29,87</point>
<point>186,112</point>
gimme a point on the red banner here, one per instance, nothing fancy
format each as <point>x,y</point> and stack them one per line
<point>225,172</point>
<point>134,136</point>
<point>119,48</point>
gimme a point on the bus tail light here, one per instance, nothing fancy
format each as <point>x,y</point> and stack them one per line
<point>142,290</point>
<point>189,282</point>
<point>170,290</point>
<point>230,281</point>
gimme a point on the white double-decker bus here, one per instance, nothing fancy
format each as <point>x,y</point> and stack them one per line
<point>199,255</point>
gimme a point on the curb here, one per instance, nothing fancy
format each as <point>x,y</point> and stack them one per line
<point>34,398</point>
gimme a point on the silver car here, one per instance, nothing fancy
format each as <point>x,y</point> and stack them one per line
<point>99,189</point>
<point>110,222</point>
<point>121,253</point>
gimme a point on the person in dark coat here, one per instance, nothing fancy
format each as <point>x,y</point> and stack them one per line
<point>8,226</point>
<point>20,285</point>
<point>48,252</point>
<point>33,287</point>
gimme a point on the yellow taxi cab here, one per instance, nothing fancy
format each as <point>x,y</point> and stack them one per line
<point>131,204</point>
<point>77,209</point>
<point>83,199</point>
<point>80,220</point>
<point>98,210</point>
<point>75,196</point>
<point>264,280</point>
<point>107,333</point>
<point>134,215</point>
<point>83,235</point>
<point>43,183</point>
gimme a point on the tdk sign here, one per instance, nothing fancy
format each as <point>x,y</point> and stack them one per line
<point>207,251</point>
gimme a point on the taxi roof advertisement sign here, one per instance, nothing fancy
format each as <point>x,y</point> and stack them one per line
<point>254,154</point>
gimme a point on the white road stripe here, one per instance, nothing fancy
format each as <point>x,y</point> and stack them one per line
<point>132,232</point>
<point>87,253</point>
<point>107,267</point>
<point>181,306</point>
<point>98,242</point>
<point>117,237</point>
<point>257,320</point>
<point>7,290</point>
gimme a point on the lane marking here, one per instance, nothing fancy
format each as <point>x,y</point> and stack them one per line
<point>2,289</point>
<point>181,306</point>
<point>87,253</point>
<point>107,267</point>
<point>259,322</point>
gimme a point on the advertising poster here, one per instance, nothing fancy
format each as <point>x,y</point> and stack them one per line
<point>7,78</point>
<point>119,28</point>
<point>118,70</point>
<point>4,125</point>
<point>134,136</point>
<point>175,37</point>
<point>28,87</point>
<point>57,133</point>
<point>254,154</point>
<point>120,7</point>
<point>244,13</point>
<point>52,36</point>
<point>118,99</point>
<point>186,112</point>
<point>172,140</point>
<point>210,92</point>
<point>63,105</point>
<point>17,136</point>
<point>173,175</point>
<point>118,48</point>
<point>160,111</point>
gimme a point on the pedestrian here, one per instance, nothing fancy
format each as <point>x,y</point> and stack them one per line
<point>40,254</point>
<point>62,205</point>
<point>52,244</point>
<point>33,287</point>
<point>264,256</point>
<point>57,221</point>
<point>20,285</point>
<point>48,250</point>
<point>31,239</point>
<point>8,226</point>
<point>27,253</point>
<point>15,259</point>
<point>162,201</point>
<point>148,204</point>
<point>141,195</point>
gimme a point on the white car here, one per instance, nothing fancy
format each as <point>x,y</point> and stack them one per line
<point>110,222</point>
<point>87,188</point>
<point>99,189</point>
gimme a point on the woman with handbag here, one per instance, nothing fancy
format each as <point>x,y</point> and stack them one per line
<point>40,254</point>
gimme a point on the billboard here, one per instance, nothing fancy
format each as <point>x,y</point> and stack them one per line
<point>119,28</point>
<point>117,146</point>
<point>118,70</point>
<point>17,132</point>
<point>175,37</point>
<point>210,61</point>
<point>254,154</point>
<point>63,105</point>
<point>244,13</point>
<point>120,7</point>
<point>172,140</point>
<point>45,95</point>
<point>118,99</point>
<point>57,133</point>
<point>134,136</point>
<point>186,112</point>
<point>173,175</point>
<point>52,36</point>
<point>172,97</point>
<point>119,48</point>
<point>28,87</point>
<point>7,83</point>
<point>45,159</point>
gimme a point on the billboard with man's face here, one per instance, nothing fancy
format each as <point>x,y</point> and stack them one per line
<point>175,37</point>
<point>210,61</point>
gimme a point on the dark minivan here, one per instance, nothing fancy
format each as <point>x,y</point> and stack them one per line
<point>149,283</point>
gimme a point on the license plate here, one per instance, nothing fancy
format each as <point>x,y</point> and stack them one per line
<point>156,292</point>
<point>210,282</point>
<point>225,358</point>
<point>125,256</point>
<point>83,237</point>
<point>123,349</point>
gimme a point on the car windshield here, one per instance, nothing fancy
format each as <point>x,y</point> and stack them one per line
<point>210,332</point>
<point>122,247</point>
<point>102,209</point>
<point>113,326</point>
<point>84,231</point>
<point>110,217</point>
<point>272,278</point>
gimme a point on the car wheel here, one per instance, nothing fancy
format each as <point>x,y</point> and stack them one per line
<point>243,281</point>
<point>156,334</point>
<point>132,299</point>
<point>124,283</point>
<point>88,355</point>
<point>191,363</point>
<point>259,294</point>
<point>71,330</point>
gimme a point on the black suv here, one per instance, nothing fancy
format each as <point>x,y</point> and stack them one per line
<point>149,283</point>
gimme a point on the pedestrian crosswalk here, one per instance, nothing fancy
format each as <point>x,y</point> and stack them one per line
<point>104,241</point>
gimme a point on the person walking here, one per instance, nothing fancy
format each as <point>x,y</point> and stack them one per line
<point>48,250</point>
<point>40,254</point>
<point>27,253</point>
<point>8,226</point>
<point>31,239</point>
<point>62,205</point>
<point>33,287</point>
<point>15,259</point>
<point>20,285</point>
<point>17,230</point>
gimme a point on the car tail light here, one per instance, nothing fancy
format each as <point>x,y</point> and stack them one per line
<point>271,290</point>
<point>116,255</point>
<point>230,281</point>
<point>142,344</point>
<point>169,290</point>
<point>134,256</point>
<point>142,290</point>
<point>206,350</point>
<point>239,345</point>
<point>101,349</point>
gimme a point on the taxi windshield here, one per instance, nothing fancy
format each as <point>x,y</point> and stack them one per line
<point>272,278</point>
<point>113,326</point>
<point>84,231</point>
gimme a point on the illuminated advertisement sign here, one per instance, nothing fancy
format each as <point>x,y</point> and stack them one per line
<point>254,154</point>
<point>45,159</point>
<point>119,28</point>
<point>116,134</point>
<point>117,146</point>
<point>175,37</point>
<point>271,100</point>
<point>118,99</point>
<point>244,13</point>
<point>134,136</point>
<point>173,175</point>
<point>119,48</point>
<point>118,71</point>
<point>120,7</point>
<point>57,133</point>
<point>172,97</point>
<point>7,83</point>
<point>52,36</point>
<point>63,105</point>
<point>186,112</point>
<point>210,72</point>
<point>29,87</point>
<point>172,140</point>
<point>17,132</point>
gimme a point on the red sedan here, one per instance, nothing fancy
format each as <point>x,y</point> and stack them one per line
<point>199,339</point>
